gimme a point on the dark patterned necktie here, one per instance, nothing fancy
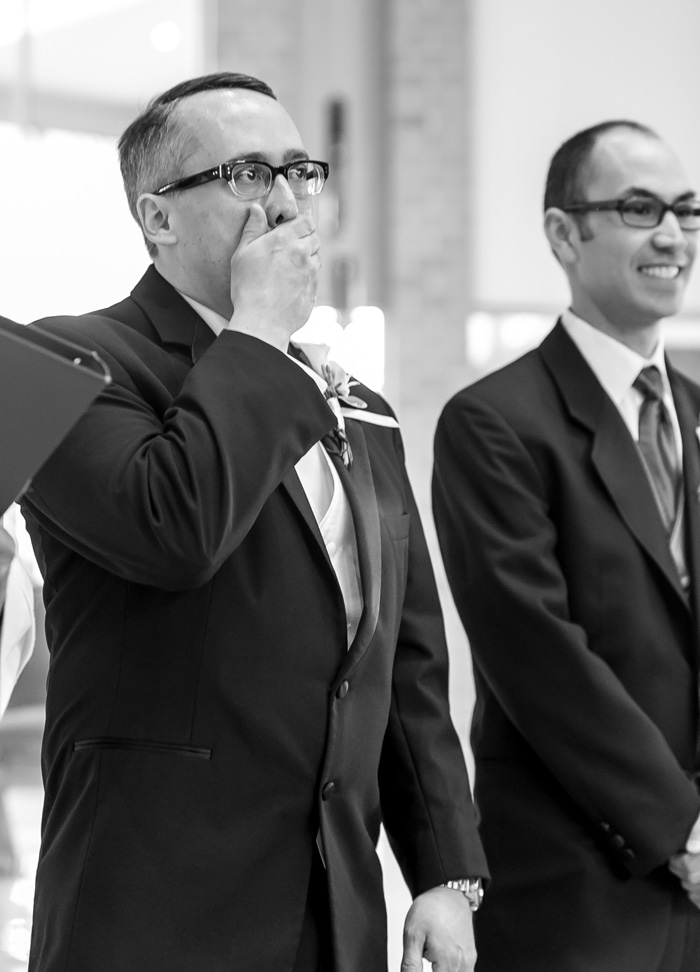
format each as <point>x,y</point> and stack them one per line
<point>336,441</point>
<point>657,443</point>
<point>336,444</point>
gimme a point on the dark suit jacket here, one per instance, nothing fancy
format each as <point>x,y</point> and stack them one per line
<point>585,655</point>
<point>204,717</point>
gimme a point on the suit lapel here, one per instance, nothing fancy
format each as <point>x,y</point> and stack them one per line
<point>176,321</point>
<point>688,421</point>
<point>359,489</point>
<point>292,484</point>
<point>358,485</point>
<point>614,452</point>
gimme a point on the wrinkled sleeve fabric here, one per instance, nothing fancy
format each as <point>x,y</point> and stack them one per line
<point>158,484</point>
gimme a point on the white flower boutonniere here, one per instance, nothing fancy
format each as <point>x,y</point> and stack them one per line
<point>336,377</point>
<point>339,384</point>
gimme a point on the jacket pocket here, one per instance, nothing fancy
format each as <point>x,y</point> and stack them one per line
<point>140,746</point>
<point>397,525</point>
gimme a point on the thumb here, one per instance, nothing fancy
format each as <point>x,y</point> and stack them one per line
<point>255,225</point>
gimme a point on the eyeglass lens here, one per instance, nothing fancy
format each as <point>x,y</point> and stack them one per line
<point>648,212</point>
<point>252,179</point>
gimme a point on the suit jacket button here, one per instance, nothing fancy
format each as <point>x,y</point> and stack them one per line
<point>328,790</point>
<point>342,690</point>
<point>619,841</point>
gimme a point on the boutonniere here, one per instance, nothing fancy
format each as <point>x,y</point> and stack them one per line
<point>336,377</point>
<point>343,403</point>
<point>337,388</point>
<point>339,385</point>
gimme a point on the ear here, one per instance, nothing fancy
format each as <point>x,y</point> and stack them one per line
<point>563,234</point>
<point>154,216</point>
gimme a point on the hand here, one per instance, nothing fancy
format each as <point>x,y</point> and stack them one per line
<point>274,277</point>
<point>439,928</point>
<point>686,866</point>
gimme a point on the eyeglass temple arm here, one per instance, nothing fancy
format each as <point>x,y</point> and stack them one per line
<point>594,207</point>
<point>218,172</point>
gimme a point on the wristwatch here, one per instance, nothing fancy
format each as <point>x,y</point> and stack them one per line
<point>471,889</point>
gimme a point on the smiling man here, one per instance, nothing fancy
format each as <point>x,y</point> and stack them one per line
<point>248,666</point>
<point>566,500</point>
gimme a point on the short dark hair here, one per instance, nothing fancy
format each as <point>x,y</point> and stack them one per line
<point>153,148</point>
<point>567,170</point>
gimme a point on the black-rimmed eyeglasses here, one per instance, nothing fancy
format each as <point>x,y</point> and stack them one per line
<point>252,179</point>
<point>644,212</point>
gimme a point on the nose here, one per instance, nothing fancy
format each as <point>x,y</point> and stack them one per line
<point>669,234</point>
<point>281,203</point>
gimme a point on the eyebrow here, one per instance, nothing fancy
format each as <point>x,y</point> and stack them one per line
<point>641,191</point>
<point>289,156</point>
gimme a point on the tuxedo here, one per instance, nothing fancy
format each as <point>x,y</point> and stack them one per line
<point>206,721</point>
<point>585,649</point>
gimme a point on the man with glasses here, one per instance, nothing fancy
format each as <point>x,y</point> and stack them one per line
<point>248,672</point>
<point>566,492</point>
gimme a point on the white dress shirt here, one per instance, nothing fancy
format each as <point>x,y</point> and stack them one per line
<point>616,367</point>
<point>326,496</point>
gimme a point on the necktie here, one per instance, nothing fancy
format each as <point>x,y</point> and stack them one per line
<point>657,443</point>
<point>336,441</point>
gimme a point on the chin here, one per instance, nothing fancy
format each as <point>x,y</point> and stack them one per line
<point>662,306</point>
<point>669,307</point>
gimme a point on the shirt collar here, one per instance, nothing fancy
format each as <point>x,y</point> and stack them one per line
<point>218,323</point>
<point>615,365</point>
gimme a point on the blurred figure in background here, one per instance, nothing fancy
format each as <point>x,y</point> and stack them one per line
<point>248,666</point>
<point>566,493</point>
<point>18,576</point>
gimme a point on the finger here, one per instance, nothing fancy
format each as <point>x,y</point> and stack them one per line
<point>255,225</point>
<point>301,226</point>
<point>683,864</point>
<point>451,960</point>
<point>412,960</point>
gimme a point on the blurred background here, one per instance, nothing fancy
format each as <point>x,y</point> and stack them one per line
<point>438,118</point>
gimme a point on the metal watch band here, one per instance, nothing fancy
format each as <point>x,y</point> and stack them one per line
<point>471,889</point>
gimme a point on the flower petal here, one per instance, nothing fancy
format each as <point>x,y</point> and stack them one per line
<point>353,400</point>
